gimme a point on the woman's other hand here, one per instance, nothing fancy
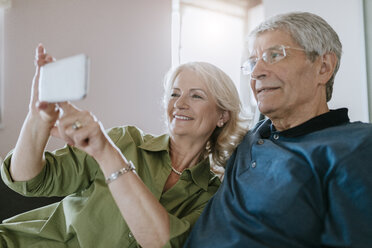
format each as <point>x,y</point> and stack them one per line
<point>81,129</point>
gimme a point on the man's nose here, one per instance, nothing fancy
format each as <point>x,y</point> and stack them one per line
<point>259,70</point>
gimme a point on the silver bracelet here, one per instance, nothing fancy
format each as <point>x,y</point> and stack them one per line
<point>120,172</point>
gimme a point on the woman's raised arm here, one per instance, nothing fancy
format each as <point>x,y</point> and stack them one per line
<point>27,159</point>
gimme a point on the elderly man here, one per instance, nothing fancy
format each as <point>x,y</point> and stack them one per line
<point>303,177</point>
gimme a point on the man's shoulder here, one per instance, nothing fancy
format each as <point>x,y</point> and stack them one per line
<point>354,129</point>
<point>359,124</point>
<point>358,132</point>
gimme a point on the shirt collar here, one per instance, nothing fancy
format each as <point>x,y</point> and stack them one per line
<point>329,119</point>
<point>156,144</point>
<point>199,173</point>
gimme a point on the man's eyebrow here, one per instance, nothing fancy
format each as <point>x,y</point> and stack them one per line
<point>267,49</point>
<point>275,47</point>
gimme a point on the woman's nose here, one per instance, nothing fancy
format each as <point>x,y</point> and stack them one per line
<point>181,102</point>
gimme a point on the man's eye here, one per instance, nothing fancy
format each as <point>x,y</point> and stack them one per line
<point>276,55</point>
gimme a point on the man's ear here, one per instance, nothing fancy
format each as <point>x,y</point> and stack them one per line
<point>327,67</point>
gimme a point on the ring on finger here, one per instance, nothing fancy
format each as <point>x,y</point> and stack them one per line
<point>77,124</point>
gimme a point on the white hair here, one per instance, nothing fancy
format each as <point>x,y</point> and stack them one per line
<point>311,32</point>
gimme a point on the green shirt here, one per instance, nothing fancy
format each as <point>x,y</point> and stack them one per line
<point>88,216</point>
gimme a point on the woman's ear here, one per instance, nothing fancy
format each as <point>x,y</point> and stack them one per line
<point>225,116</point>
<point>327,67</point>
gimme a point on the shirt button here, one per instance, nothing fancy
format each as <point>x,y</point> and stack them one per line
<point>260,141</point>
<point>254,164</point>
<point>276,136</point>
<point>130,235</point>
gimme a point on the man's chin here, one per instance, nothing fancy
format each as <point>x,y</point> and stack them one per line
<point>266,110</point>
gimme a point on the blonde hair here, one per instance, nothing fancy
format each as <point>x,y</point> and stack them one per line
<point>223,140</point>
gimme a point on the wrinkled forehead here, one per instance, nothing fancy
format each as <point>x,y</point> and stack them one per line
<point>269,38</point>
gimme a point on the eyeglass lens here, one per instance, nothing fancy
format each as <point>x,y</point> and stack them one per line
<point>270,56</point>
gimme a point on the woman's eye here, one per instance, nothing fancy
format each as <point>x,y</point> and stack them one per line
<point>197,96</point>
<point>174,95</point>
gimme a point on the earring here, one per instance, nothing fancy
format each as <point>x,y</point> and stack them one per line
<point>220,124</point>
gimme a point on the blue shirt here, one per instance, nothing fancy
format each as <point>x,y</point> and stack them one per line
<point>309,186</point>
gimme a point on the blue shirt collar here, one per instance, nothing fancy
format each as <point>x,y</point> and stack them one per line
<point>332,118</point>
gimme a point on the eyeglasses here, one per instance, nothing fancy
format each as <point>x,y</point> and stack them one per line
<point>270,56</point>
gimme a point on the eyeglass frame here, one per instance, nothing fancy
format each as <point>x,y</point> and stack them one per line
<point>266,58</point>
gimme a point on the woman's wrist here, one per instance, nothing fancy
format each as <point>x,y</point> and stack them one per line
<point>111,159</point>
<point>37,126</point>
<point>113,176</point>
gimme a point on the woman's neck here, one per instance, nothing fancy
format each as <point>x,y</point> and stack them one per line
<point>185,153</point>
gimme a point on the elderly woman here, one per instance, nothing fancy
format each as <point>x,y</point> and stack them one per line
<point>123,188</point>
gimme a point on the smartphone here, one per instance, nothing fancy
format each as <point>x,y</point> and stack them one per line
<point>64,80</point>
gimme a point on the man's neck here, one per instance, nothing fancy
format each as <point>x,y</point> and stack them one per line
<point>291,120</point>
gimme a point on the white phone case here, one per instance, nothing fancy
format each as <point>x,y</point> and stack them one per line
<point>65,79</point>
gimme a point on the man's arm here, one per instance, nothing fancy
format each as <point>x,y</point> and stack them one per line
<point>348,221</point>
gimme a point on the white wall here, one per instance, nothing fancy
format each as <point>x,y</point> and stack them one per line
<point>129,46</point>
<point>367,5</point>
<point>346,17</point>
